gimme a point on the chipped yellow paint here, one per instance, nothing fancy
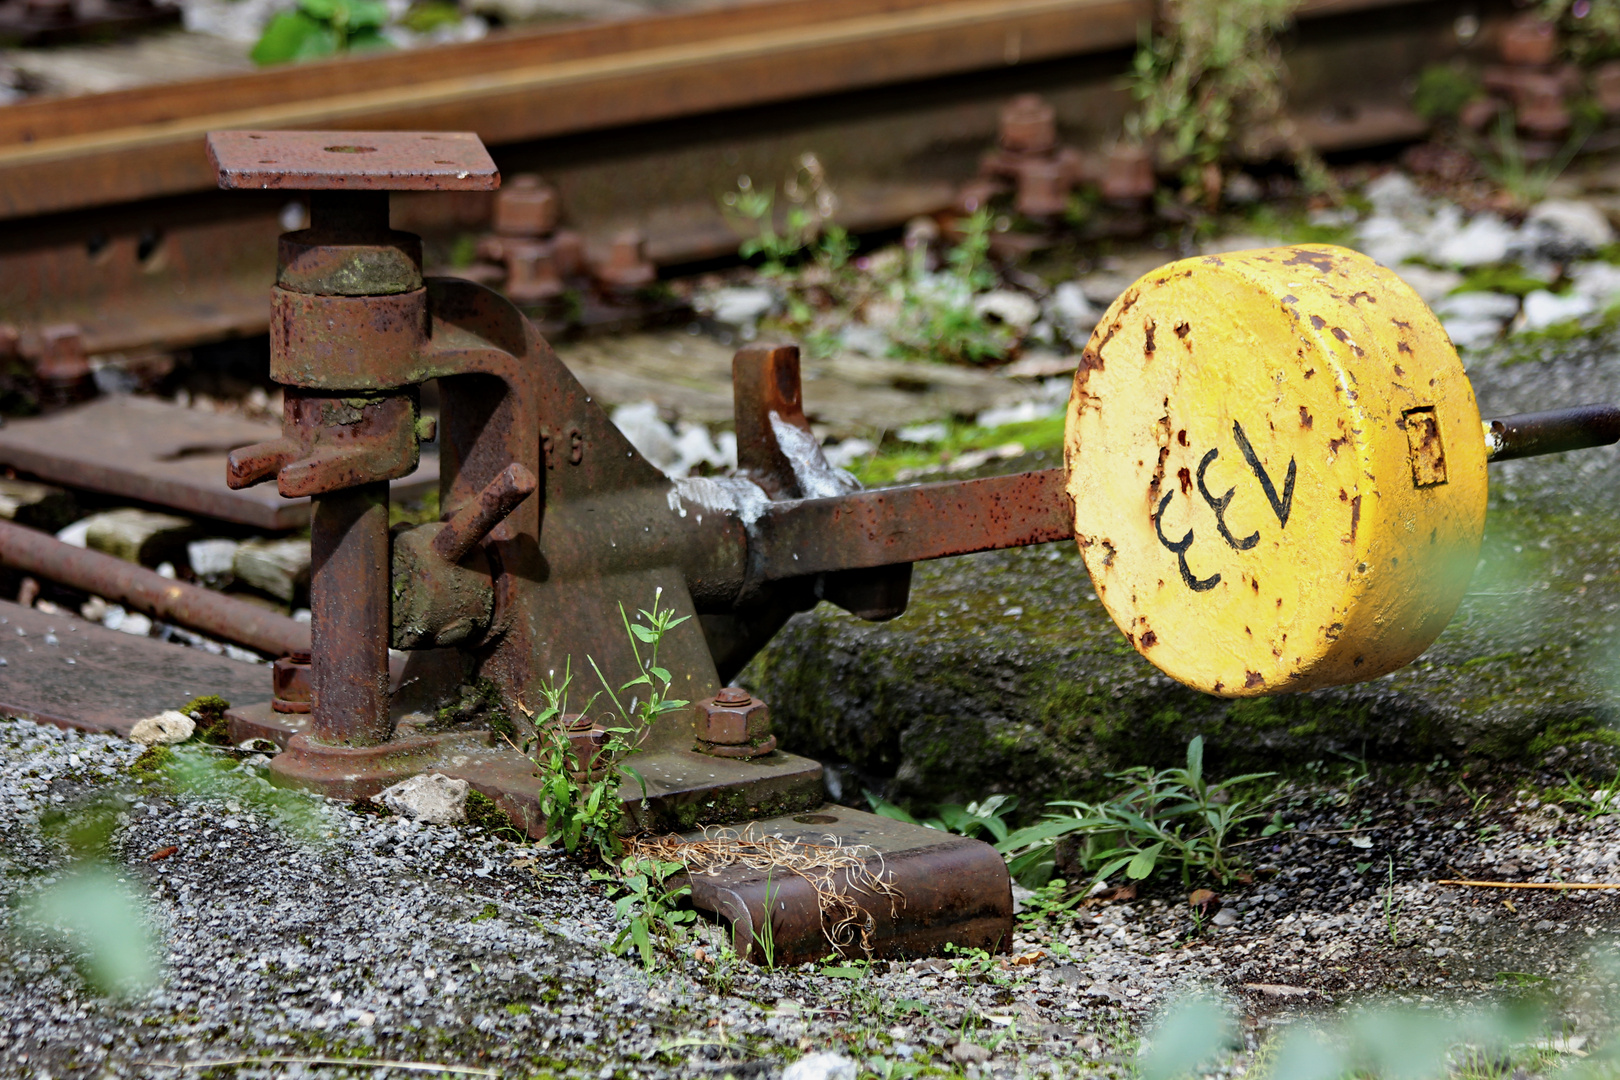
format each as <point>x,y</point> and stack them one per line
<point>1277,470</point>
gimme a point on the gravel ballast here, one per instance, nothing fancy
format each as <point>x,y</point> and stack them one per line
<point>293,928</point>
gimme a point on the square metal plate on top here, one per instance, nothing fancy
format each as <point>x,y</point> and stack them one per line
<point>352,160</point>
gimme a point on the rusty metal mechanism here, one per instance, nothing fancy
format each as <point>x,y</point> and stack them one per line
<point>551,522</point>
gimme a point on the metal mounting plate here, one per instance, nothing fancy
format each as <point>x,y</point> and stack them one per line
<point>96,679</point>
<point>954,890</point>
<point>163,454</point>
<point>352,160</point>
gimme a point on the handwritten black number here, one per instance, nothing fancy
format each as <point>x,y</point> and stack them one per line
<point>1278,507</point>
<point>1219,506</point>
<point>1179,548</point>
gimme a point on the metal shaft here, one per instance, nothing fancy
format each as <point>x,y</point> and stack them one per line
<point>1529,434</point>
<point>348,598</point>
<point>203,610</point>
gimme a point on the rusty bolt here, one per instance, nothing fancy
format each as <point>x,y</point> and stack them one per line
<point>586,740</point>
<point>1043,189</point>
<point>1606,87</point>
<point>526,207</point>
<point>1529,40</point>
<point>627,267</point>
<point>734,723</point>
<point>568,251</point>
<point>290,686</point>
<point>63,369</point>
<point>1028,125</point>
<point>531,272</point>
<point>1129,178</point>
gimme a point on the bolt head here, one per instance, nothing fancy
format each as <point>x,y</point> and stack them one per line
<point>733,724</point>
<point>526,207</point>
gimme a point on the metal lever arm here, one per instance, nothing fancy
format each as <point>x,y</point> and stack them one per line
<point>474,521</point>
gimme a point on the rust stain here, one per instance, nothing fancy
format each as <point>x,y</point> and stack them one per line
<point>1253,679</point>
<point>1148,329</point>
<point>1185,476</point>
<point>1321,260</point>
<point>1149,640</point>
<point>1317,322</point>
<point>1305,418</point>
<point>1355,516</point>
<point>1183,329</point>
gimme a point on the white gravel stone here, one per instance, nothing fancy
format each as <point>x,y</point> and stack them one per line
<point>1543,309</point>
<point>741,306</point>
<point>1599,280</point>
<point>1388,240</point>
<point>1484,240</point>
<point>1071,311</point>
<point>211,558</point>
<point>1560,227</point>
<point>1014,309</point>
<point>1478,305</point>
<point>1396,195</point>
<point>432,798</point>
<point>167,727</point>
<point>824,1066</point>
<point>1431,285</point>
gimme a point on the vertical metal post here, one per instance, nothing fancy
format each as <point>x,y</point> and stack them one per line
<point>348,599</point>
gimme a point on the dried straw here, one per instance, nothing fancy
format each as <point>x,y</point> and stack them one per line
<point>837,872</point>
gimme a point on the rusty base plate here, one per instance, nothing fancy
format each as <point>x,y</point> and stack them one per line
<point>684,789</point>
<point>64,671</point>
<point>156,452</point>
<point>952,890</point>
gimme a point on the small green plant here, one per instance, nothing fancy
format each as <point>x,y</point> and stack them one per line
<point>208,712</point>
<point>1503,159</point>
<point>987,816</point>
<point>1588,802</point>
<point>583,811</point>
<point>807,233</point>
<point>649,906</point>
<point>765,935</point>
<point>1050,905</point>
<point>1442,91</point>
<point>1210,83</point>
<point>1164,818</point>
<point>317,28</point>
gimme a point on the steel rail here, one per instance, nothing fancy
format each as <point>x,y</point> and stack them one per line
<point>150,593</point>
<point>73,153</point>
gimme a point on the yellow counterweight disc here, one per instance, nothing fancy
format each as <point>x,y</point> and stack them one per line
<point>1278,470</point>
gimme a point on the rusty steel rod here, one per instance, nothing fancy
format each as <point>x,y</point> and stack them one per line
<point>150,593</point>
<point>1531,434</point>
<point>348,596</point>
<point>886,526</point>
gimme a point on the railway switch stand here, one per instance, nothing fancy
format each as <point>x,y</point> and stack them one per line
<point>552,525</point>
<point>1275,469</point>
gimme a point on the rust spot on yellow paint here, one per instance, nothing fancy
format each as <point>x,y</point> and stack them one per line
<point>1305,419</point>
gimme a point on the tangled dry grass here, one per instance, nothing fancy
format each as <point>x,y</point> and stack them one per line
<point>847,886</point>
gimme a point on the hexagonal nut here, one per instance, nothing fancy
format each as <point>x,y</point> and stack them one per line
<point>733,725</point>
<point>526,207</point>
